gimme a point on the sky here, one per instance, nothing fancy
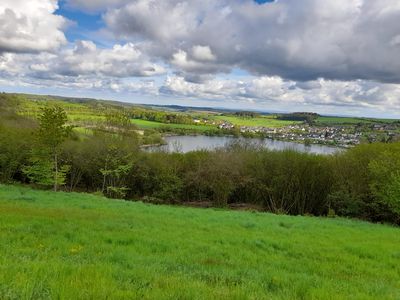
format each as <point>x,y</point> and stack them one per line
<point>337,57</point>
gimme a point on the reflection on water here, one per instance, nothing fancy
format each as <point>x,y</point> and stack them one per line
<point>191,143</point>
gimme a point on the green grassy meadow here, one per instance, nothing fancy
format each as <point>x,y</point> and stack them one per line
<point>155,125</point>
<point>75,111</point>
<point>349,121</point>
<point>265,121</point>
<point>80,246</point>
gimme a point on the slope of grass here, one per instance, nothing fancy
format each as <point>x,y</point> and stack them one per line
<point>350,121</point>
<point>258,121</point>
<point>74,110</point>
<point>77,246</point>
<point>154,125</point>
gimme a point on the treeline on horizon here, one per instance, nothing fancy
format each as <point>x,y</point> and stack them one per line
<point>309,118</point>
<point>363,182</point>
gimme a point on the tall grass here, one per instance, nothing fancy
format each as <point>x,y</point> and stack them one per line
<point>77,246</point>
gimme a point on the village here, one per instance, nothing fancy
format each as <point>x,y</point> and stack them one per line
<point>342,136</point>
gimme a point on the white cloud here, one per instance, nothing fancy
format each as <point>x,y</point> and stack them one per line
<point>120,61</point>
<point>94,5</point>
<point>298,40</point>
<point>201,62</point>
<point>86,59</point>
<point>84,66</point>
<point>30,26</point>
<point>273,90</point>
<point>311,53</point>
<point>203,53</point>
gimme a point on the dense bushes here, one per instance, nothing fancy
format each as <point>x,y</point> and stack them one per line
<point>362,182</point>
<point>16,138</point>
<point>365,182</point>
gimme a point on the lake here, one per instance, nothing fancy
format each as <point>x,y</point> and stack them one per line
<point>188,143</point>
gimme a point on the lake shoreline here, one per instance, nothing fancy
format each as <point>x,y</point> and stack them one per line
<point>188,143</point>
<point>342,146</point>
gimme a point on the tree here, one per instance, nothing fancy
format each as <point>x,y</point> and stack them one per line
<point>52,132</point>
<point>116,167</point>
<point>117,153</point>
<point>385,183</point>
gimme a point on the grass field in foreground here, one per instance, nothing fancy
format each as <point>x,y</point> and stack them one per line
<point>77,246</point>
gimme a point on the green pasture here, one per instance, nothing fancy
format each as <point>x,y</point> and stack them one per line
<point>76,112</point>
<point>80,246</point>
<point>156,125</point>
<point>350,121</point>
<point>268,121</point>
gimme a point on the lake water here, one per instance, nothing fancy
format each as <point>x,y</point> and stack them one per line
<point>188,143</point>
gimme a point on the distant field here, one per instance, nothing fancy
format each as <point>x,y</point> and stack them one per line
<point>255,122</point>
<point>83,131</point>
<point>76,112</point>
<point>154,125</point>
<point>350,121</point>
<point>90,112</point>
<point>77,246</point>
<point>81,114</point>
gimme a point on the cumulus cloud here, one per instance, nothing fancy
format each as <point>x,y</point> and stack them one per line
<point>274,90</point>
<point>30,26</point>
<point>84,66</point>
<point>297,40</point>
<point>203,53</point>
<point>120,61</point>
<point>43,71</point>
<point>85,58</point>
<point>307,85</point>
<point>308,53</point>
<point>94,6</point>
<point>201,62</point>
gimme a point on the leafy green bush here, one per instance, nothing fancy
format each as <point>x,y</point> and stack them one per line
<point>385,183</point>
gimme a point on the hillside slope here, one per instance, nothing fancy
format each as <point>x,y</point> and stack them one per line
<point>77,246</point>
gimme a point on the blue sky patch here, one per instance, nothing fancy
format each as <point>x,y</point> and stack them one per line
<point>85,23</point>
<point>263,1</point>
